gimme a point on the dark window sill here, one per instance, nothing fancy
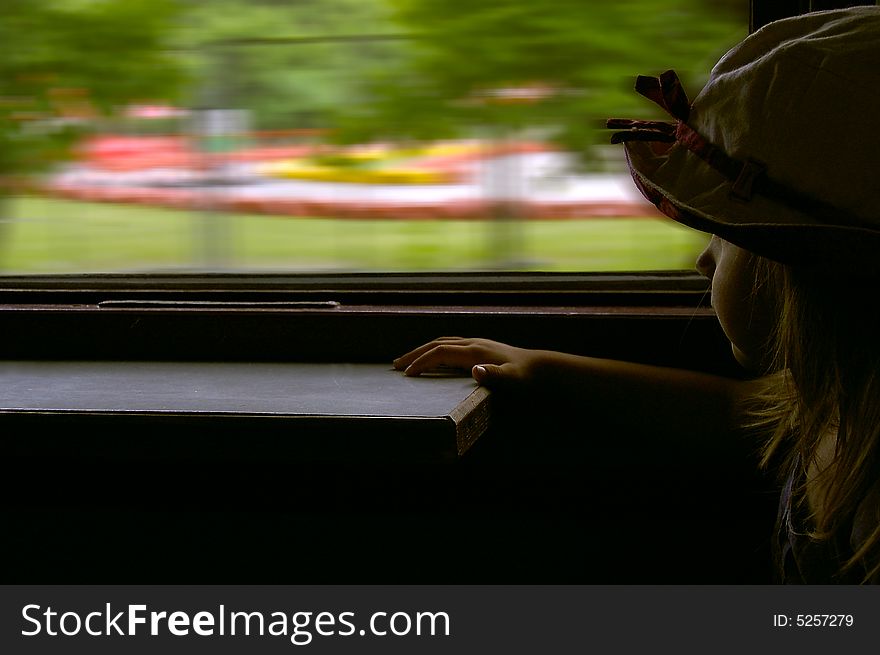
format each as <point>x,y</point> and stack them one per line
<point>662,287</point>
<point>655,317</point>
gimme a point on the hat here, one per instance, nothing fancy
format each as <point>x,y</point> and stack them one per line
<point>780,152</point>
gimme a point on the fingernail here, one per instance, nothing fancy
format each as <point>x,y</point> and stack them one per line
<point>479,371</point>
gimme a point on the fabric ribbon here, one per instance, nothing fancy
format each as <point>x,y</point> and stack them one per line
<point>747,177</point>
<point>668,92</point>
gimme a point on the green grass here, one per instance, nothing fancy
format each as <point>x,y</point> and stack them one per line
<point>44,235</point>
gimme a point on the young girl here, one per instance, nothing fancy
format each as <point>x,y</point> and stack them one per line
<point>778,157</point>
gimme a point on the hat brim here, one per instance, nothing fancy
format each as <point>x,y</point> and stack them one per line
<point>688,190</point>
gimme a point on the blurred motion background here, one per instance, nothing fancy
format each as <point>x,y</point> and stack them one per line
<point>337,135</point>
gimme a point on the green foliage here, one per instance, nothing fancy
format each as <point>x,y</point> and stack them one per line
<point>587,51</point>
<point>65,60</point>
<point>394,69</point>
<point>290,63</point>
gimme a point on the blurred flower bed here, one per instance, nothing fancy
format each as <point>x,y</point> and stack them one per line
<point>437,163</point>
<point>442,180</point>
<point>113,153</point>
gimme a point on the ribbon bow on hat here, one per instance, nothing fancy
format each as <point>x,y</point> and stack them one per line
<point>747,176</point>
<point>778,154</point>
<point>668,92</point>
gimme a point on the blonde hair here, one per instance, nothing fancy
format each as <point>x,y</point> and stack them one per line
<point>824,379</point>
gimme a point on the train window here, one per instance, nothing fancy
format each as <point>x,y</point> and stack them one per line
<point>201,188</point>
<point>338,135</point>
<point>256,144</point>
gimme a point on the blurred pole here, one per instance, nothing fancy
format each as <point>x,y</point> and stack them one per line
<point>504,182</point>
<point>218,133</point>
<point>6,221</point>
<point>506,179</point>
<point>216,129</point>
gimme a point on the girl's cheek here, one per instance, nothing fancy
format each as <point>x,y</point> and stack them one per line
<point>747,327</point>
<point>742,320</point>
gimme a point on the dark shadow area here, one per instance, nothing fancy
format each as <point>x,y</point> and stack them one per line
<point>544,497</point>
<point>535,501</point>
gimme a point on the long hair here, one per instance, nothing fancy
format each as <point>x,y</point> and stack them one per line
<point>822,407</point>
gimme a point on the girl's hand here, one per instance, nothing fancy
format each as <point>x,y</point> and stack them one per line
<point>490,363</point>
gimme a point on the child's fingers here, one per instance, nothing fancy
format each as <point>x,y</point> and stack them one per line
<point>457,355</point>
<point>402,362</point>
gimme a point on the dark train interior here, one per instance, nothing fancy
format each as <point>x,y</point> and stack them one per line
<point>550,493</point>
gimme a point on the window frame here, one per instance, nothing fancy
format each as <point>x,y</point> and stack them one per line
<point>341,317</point>
<point>660,317</point>
<point>227,296</point>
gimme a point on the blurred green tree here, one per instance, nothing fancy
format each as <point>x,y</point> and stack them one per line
<point>291,63</point>
<point>66,63</point>
<point>469,60</point>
